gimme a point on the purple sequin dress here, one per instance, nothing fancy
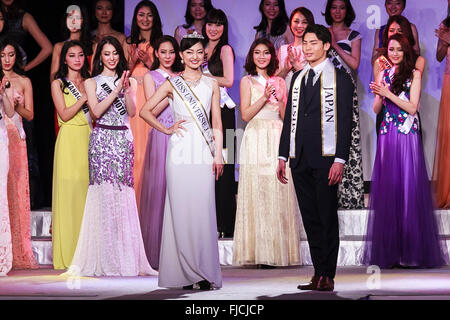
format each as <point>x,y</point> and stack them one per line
<point>110,241</point>
<point>153,184</point>
<point>402,229</point>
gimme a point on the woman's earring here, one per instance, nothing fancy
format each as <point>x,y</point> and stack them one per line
<point>182,61</point>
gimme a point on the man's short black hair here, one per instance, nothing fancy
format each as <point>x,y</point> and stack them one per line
<point>322,32</point>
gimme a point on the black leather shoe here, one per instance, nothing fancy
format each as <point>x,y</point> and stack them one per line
<point>312,285</point>
<point>325,284</point>
<point>204,285</point>
<point>267,266</point>
<point>190,287</point>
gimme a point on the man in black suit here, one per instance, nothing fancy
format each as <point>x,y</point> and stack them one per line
<point>316,137</point>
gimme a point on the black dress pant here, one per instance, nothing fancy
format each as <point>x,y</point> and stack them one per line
<point>226,186</point>
<point>318,205</point>
<point>35,184</point>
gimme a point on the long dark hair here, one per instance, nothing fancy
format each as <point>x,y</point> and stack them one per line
<point>98,66</point>
<point>188,16</point>
<point>218,17</point>
<point>305,12</point>
<point>85,36</point>
<point>17,67</point>
<point>63,70</point>
<point>404,24</point>
<point>406,67</point>
<point>250,65</point>
<point>349,13</point>
<point>5,24</point>
<point>177,65</point>
<point>156,28</point>
<point>14,10</point>
<point>115,20</point>
<point>279,24</point>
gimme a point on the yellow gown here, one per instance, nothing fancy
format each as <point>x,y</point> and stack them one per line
<point>268,220</point>
<point>70,184</point>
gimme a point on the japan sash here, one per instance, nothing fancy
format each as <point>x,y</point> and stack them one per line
<point>328,109</point>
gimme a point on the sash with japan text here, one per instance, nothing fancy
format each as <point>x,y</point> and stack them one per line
<point>328,109</point>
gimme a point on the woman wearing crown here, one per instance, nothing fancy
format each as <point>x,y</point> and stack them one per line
<point>189,249</point>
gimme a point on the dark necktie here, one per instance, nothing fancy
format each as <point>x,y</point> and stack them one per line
<point>311,74</point>
<point>309,85</point>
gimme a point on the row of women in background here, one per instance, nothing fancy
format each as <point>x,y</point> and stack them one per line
<point>19,166</point>
<point>16,103</point>
<point>268,220</point>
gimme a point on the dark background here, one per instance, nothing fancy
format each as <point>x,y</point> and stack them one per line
<point>48,15</point>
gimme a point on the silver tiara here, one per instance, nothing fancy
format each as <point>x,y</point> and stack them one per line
<point>193,35</point>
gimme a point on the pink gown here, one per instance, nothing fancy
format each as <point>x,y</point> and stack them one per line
<point>19,195</point>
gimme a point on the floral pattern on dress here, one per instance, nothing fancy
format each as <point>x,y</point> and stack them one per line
<point>111,154</point>
<point>351,189</point>
<point>110,158</point>
<point>397,119</point>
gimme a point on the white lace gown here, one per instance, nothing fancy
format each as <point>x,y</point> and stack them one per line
<point>6,256</point>
<point>189,245</point>
<point>110,241</point>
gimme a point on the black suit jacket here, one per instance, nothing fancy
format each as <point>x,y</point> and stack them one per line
<point>309,129</point>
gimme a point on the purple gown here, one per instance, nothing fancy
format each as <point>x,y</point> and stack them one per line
<point>153,188</point>
<point>402,228</point>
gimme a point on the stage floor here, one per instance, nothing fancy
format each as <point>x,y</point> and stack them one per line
<point>352,283</point>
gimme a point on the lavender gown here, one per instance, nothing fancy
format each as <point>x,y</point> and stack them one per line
<point>189,244</point>
<point>153,188</point>
<point>402,229</point>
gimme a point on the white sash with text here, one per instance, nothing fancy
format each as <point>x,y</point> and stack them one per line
<point>76,93</point>
<point>120,107</point>
<point>196,110</point>
<point>225,99</point>
<point>328,109</point>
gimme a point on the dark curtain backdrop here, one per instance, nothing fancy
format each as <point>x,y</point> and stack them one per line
<point>48,15</point>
